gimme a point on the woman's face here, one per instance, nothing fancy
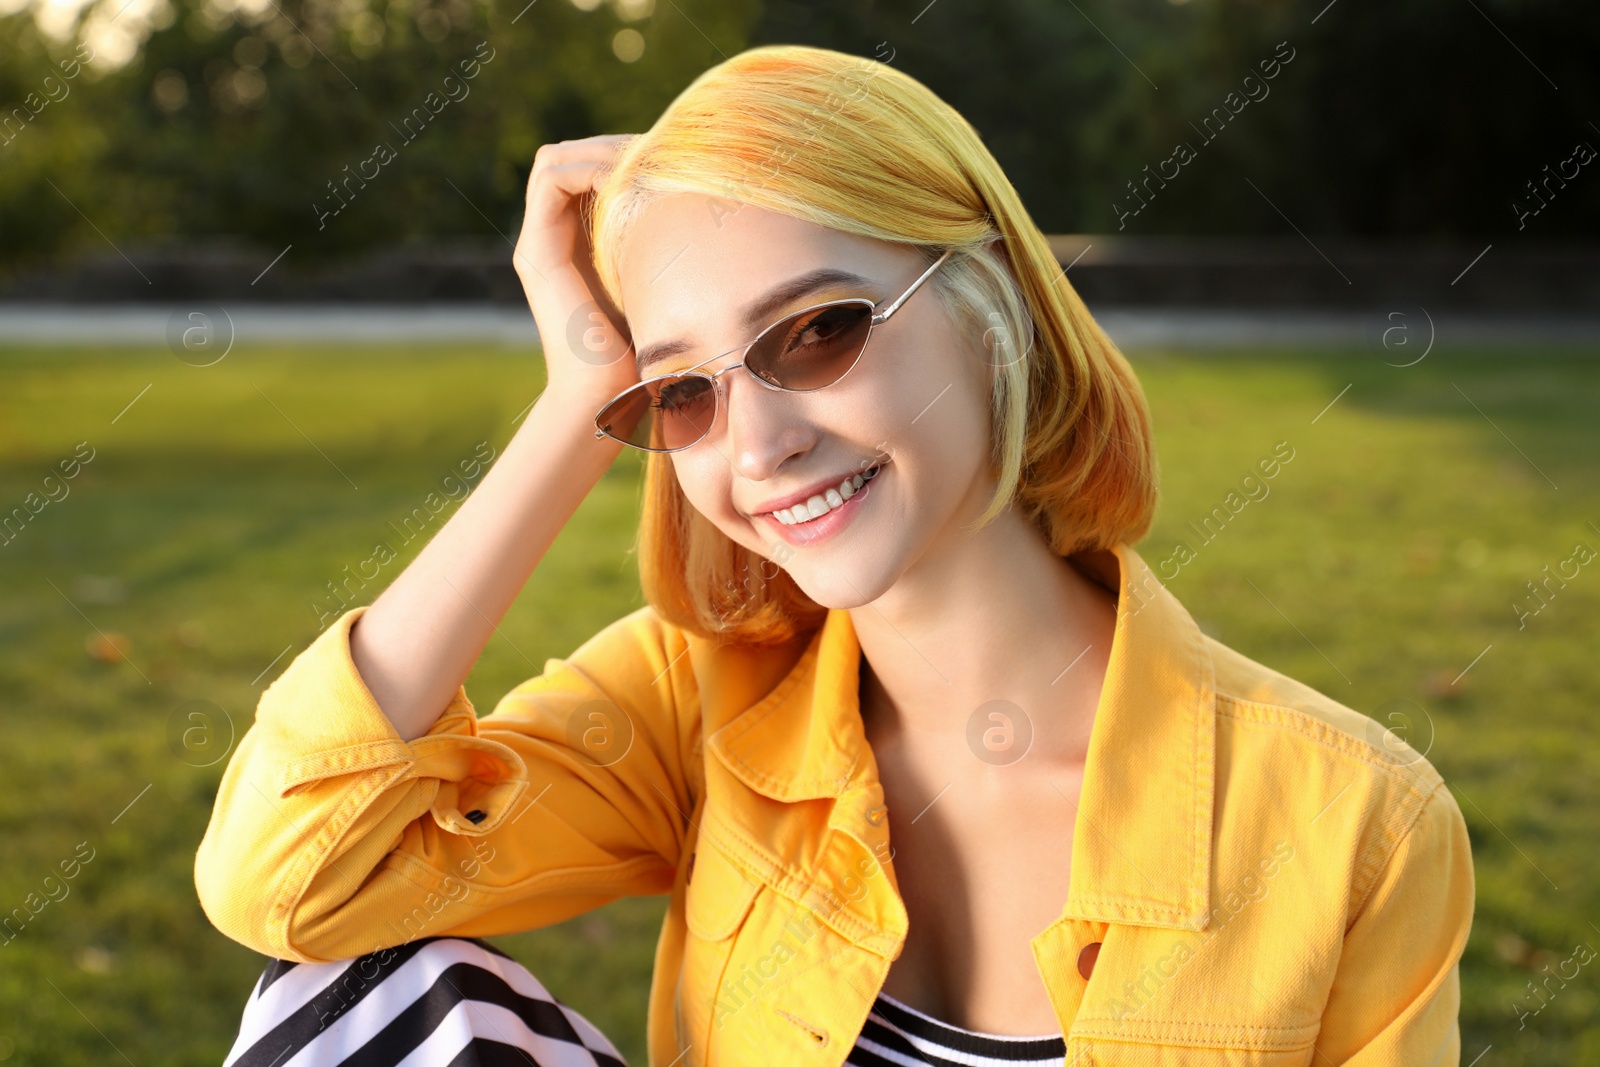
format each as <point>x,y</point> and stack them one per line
<point>915,405</point>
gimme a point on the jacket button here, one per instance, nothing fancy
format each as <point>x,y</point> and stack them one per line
<point>476,816</point>
<point>1086,958</point>
<point>875,815</point>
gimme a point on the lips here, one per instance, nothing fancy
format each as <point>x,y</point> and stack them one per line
<point>817,489</point>
<point>819,504</point>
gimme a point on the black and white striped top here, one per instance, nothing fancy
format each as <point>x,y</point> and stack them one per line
<point>462,1002</point>
<point>898,1035</point>
<point>433,1002</point>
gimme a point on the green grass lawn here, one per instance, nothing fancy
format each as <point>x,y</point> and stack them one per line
<point>1388,554</point>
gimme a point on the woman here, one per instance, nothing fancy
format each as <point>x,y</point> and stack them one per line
<point>932,766</point>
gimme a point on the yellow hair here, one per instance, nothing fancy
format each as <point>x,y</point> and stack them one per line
<point>854,145</point>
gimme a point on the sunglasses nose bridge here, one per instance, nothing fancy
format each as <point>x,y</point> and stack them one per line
<point>716,376</point>
<point>719,388</point>
<point>743,355</point>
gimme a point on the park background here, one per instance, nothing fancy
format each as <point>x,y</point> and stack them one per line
<point>1386,261</point>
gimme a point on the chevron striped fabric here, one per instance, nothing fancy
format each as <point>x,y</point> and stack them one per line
<point>434,1001</point>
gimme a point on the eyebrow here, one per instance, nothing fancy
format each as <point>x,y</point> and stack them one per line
<point>760,311</point>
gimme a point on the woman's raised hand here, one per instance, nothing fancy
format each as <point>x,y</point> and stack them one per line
<point>587,351</point>
<point>418,641</point>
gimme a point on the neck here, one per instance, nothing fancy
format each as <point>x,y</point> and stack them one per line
<point>994,615</point>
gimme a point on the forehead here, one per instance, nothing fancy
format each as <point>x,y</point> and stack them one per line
<point>691,264</point>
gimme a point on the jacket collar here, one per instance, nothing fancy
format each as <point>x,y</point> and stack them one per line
<point>1141,851</point>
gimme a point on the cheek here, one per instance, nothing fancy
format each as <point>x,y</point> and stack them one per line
<point>941,410</point>
<point>705,484</point>
<point>953,448</point>
<point>923,386</point>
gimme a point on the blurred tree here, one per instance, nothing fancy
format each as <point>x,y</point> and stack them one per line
<point>332,128</point>
<point>341,125</point>
<point>1414,117</point>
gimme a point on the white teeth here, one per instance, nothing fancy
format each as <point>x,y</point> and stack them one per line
<point>819,505</point>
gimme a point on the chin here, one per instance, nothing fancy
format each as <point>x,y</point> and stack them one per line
<point>837,589</point>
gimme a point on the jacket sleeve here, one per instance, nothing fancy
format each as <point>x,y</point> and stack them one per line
<point>332,837</point>
<point>1396,997</point>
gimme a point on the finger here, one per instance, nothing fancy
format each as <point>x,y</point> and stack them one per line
<point>592,149</point>
<point>559,183</point>
<point>575,176</point>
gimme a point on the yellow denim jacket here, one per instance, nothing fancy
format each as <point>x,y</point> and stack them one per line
<point>1269,876</point>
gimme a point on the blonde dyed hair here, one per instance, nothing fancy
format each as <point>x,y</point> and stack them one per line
<point>854,145</point>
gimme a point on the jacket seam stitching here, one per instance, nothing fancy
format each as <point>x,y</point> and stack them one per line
<point>748,720</point>
<point>320,860</point>
<point>316,765</point>
<point>1372,860</point>
<point>663,630</point>
<point>1276,715</point>
<point>1123,902</point>
<point>409,867</point>
<point>1184,1035</point>
<point>673,800</point>
<point>1204,1026</point>
<point>691,741</point>
<point>1222,1032</point>
<point>782,882</point>
<point>1198,890</point>
<point>738,908</point>
<point>1389,855</point>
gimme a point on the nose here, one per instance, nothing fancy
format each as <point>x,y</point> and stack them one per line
<point>763,425</point>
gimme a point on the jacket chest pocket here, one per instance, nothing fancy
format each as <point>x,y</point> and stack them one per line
<point>717,902</point>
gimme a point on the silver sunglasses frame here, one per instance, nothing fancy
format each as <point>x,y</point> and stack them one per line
<point>878,319</point>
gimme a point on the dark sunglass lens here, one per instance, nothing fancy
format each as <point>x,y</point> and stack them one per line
<point>627,418</point>
<point>663,415</point>
<point>685,409</point>
<point>813,348</point>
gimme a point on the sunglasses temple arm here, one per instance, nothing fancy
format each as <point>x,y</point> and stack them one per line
<point>892,308</point>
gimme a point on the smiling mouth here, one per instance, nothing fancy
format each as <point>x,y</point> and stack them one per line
<point>829,500</point>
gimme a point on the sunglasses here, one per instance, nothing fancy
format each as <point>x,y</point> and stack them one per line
<point>809,349</point>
